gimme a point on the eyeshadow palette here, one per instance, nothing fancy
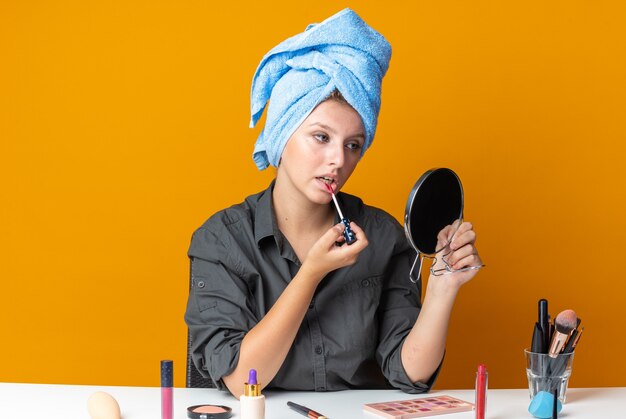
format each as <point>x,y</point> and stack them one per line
<point>417,408</point>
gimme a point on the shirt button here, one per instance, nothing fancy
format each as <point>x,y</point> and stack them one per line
<point>200,284</point>
<point>312,304</point>
<point>365,282</point>
<point>318,350</point>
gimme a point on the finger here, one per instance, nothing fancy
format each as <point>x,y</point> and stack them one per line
<point>334,234</point>
<point>347,255</point>
<point>357,230</point>
<point>462,238</point>
<point>462,227</point>
<point>468,261</point>
<point>340,242</point>
<point>457,255</point>
<point>444,235</point>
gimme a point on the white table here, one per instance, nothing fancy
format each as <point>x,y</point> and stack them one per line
<point>70,401</point>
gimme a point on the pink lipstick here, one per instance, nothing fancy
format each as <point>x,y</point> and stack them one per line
<point>348,234</point>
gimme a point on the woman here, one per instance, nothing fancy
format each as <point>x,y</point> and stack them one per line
<point>272,289</point>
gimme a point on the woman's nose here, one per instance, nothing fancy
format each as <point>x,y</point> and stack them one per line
<point>336,155</point>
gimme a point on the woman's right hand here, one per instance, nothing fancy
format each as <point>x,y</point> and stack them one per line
<point>325,256</point>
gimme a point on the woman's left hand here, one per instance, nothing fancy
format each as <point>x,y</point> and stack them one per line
<point>458,250</point>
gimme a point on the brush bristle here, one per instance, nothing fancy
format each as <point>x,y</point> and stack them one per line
<point>566,321</point>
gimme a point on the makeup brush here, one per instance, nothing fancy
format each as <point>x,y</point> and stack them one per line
<point>564,323</point>
<point>573,338</point>
<point>348,234</point>
<point>578,338</point>
<point>558,365</point>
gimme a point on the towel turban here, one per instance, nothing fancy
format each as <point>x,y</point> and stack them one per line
<point>342,53</point>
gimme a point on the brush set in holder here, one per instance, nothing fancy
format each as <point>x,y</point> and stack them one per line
<point>549,360</point>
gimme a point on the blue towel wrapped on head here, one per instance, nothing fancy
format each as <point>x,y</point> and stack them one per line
<point>341,53</point>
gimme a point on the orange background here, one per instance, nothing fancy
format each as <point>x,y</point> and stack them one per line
<point>124,125</point>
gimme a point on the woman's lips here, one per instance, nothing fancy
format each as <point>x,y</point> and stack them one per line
<point>326,185</point>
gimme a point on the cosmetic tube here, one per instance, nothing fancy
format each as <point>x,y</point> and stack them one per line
<point>252,402</point>
<point>167,382</point>
<point>481,391</point>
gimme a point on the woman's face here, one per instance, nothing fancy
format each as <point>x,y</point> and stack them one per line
<point>325,149</point>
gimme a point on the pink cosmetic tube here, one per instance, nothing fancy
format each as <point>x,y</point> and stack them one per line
<point>167,380</point>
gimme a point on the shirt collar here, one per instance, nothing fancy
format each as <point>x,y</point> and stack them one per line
<point>264,221</point>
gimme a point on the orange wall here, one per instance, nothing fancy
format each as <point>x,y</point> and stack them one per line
<point>123,125</point>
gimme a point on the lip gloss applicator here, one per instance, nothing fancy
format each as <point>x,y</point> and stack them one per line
<point>348,234</point>
<point>167,382</point>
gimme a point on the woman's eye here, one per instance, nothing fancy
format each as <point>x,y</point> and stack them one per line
<point>353,146</point>
<point>323,138</point>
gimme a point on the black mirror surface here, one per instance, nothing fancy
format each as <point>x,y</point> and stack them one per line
<point>436,201</point>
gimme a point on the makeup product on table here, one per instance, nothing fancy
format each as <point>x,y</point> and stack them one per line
<point>252,402</point>
<point>167,382</point>
<point>558,365</point>
<point>481,392</point>
<point>101,405</point>
<point>348,234</point>
<point>564,324</point>
<point>549,371</point>
<point>544,324</point>
<point>209,411</point>
<point>536,344</point>
<point>542,405</point>
<point>418,408</point>
<point>562,337</point>
<point>312,414</point>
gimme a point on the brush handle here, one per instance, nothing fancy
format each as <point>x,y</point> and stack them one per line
<point>555,404</point>
<point>558,365</point>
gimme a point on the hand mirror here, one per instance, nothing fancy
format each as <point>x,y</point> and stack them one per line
<point>436,201</point>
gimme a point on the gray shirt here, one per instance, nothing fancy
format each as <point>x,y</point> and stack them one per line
<point>355,325</point>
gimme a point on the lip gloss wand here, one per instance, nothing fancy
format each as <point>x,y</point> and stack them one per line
<point>348,234</point>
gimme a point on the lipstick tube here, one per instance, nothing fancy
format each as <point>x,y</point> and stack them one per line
<point>481,391</point>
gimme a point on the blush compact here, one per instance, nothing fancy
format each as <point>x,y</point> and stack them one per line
<point>209,411</point>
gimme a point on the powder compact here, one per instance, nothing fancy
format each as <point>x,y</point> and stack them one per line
<point>209,411</point>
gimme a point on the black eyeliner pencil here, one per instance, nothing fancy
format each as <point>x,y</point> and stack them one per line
<point>536,344</point>
<point>544,324</point>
